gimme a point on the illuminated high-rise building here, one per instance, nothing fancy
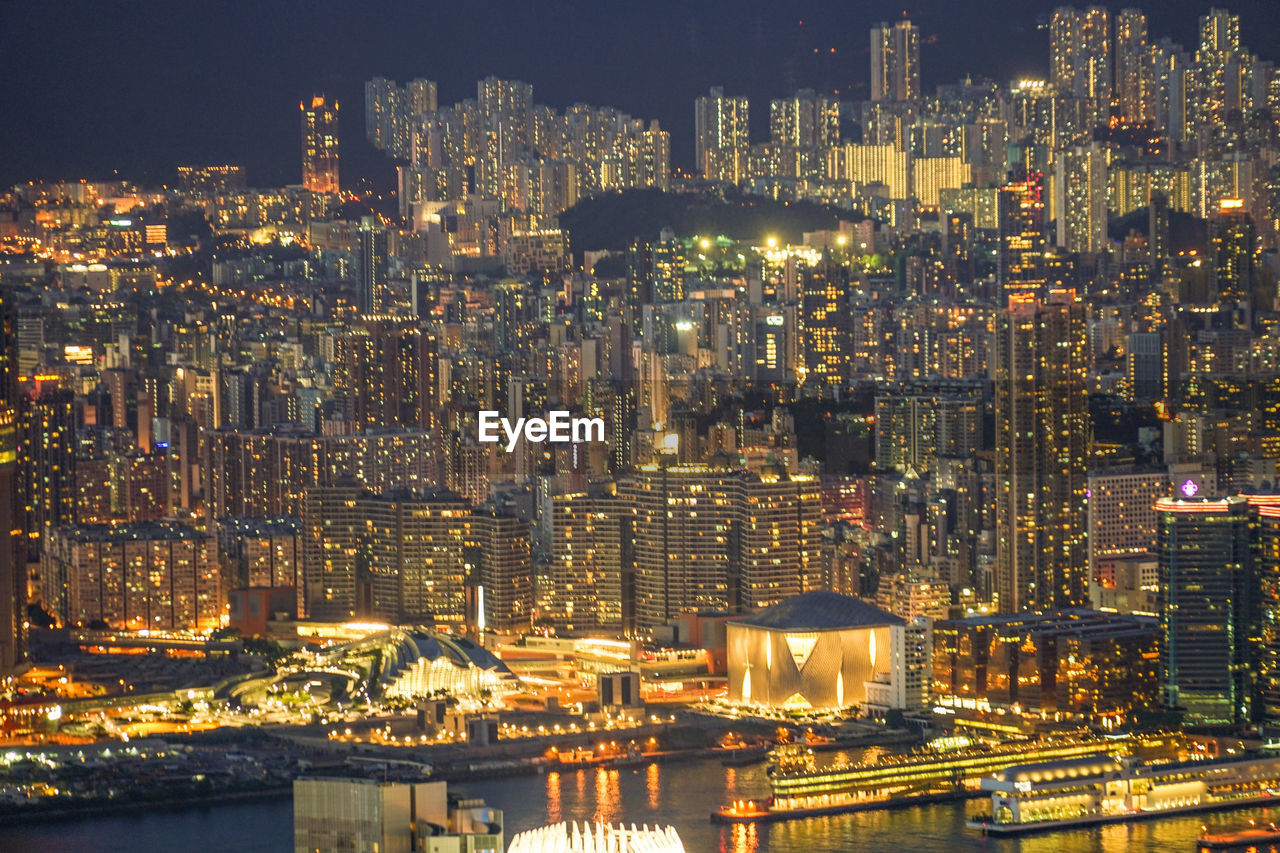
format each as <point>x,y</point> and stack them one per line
<point>1080,47</point>
<point>931,175</point>
<point>1267,656</point>
<point>153,576</point>
<point>805,120</point>
<point>1208,600</point>
<point>827,321</point>
<point>721,128</point>
<point>371,273</point>
<point>501,572</point>
<point>895,61</point>
<point>1080,195</point>
<point>1133,66</point>
<point>1217,75</point>
<point>47,444</point>
<point>506,114</point>
<point>668,268</point>
<point>1043,436</point>
<point>320,145</point>
<point>13,574</point>
<point>385,374</point>
<point>1232,244</point>
<point>704,538</point>
<point>586,563</point>
<point>1022,222</point>
<point>871,164</point>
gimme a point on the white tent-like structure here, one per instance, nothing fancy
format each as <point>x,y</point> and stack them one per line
<point>597,838</point>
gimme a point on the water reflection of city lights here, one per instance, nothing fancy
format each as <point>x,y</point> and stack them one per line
<point>652,784</point>
<point>608,797</point>
<point>553,797</point>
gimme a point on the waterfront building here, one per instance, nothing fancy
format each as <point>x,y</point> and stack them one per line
<point>822,650</point>
<point>415,661</point>
<point>1208,608</point>
<point>1072,662</point>
<point>369,816</point>
<point>320,145</point>
<point>586,570</point>
<point>1100,789</point>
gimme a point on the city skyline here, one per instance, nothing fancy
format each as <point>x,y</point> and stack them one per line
<point>273,58</point>
<point>738,386</point>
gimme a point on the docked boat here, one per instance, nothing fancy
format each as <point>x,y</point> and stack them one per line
<point>1084,791</point>
<point>800,788</point>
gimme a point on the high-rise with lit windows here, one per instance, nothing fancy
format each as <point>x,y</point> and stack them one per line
<point>1043,436</point>
<point>721,129</point>
<point>1133,66</point>
<point>1208,601</point>
<point>895,61</point>
<point>1080,48</point>
<point>13,575</point>
<point>320,145</point>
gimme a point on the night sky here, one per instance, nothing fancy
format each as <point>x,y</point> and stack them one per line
<point>92,87</point>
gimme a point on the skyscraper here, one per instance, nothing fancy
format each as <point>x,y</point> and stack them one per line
<point>1133,66</point>
<point>1021,216</point>
<point>722,136</point>
<point>711,538</point>
<point>371,276</point>
<point>13,575</point>
<point>1043,433</point>
<point>895,61</point>
<point>1232,240</point>
<point>1208,608</point>
<point>805,120</point>
<point>828,323</point>
<point>1080,187</point>
<point>320,145</point>
<point>385,375</point>
<point>1080,47</point>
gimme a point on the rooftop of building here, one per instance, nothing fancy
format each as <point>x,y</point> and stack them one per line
<point>820,611</point>
<point>1089,765</point>
<point>138,531</point>
<point>1060,621</point>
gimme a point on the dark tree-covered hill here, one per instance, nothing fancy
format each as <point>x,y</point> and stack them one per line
<point>613,221</point>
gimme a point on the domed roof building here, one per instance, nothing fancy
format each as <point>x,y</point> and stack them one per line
<point>825,651</point>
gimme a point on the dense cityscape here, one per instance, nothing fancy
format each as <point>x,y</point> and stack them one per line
<point>920,455</point>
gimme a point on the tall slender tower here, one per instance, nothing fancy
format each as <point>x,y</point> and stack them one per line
<point>721,126</point>
<point>895,61</point>
<point>1133,66</point>
<point>13,575</point>
<point>320,145</point>
<point>1043,432</point>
